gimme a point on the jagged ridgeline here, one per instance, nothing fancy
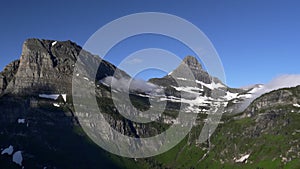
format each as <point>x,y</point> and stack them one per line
<point>47,66</point>
<point>39,127</point>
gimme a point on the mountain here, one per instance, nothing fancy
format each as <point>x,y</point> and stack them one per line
<point>188,62</point>
<point>265,135</point>
<point>37,116</point>
<point>39,127</point>
<point>47,66</point>
<point>267,131</point>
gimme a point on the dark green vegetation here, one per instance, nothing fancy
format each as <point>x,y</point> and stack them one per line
<point>49,140</point>
<point>54,138</point>
<point>271,137</point>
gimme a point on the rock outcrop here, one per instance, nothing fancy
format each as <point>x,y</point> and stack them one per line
<point>274,99</point>
<point>7,74</point>
<point>47,66</point>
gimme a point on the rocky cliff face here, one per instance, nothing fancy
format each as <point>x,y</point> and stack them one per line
<point>47,66</point>
<point>45,129</point>
<point>8,74</point>
<point>198,72</point>
<point>282,97</point>
<point>43,65</point>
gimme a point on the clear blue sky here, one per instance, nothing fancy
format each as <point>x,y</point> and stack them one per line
<point>256,40</point>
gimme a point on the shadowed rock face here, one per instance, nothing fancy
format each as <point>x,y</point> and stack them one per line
<point>7,74</point>
<point>44,63</point>
<point>47,65</point>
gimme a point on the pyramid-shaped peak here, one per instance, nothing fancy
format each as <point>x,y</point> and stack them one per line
<point>192,62</point>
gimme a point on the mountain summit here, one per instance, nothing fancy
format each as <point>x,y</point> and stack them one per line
<point>189,64</point>
<point>195,67</point>
<point>192,63</point>
<point>47,66</point>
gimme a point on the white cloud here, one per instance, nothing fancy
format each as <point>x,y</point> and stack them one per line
<point>279,82</point>
<point>134,61</point>
<point>134,84</point>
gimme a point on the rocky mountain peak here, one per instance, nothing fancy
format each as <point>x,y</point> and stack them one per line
<point>192,63</point>
<point>47,66</point>
<point>44,64</point>
<point>49,49</point>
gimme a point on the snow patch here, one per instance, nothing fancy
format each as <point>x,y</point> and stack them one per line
<point>230,96</point>
<point>199,101</point>
<point>53,96</point>
<point>245,96</point>
<point>296,105</point>
<point>188,89</point>
<point>54,43</point>
<point>9,150</point>
<point>242,159</point>
<point>212,85</point>
<point>64,96</point>
<point>17,158</point>
<point>21,121</point>
<point>49,96</point>
<point>143,95</point>
<point>56,105</point>
<point>180,78</point>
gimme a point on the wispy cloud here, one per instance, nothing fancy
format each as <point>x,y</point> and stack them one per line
<point>134,61</point>
<point>134,84</point>
<point>279,82</point>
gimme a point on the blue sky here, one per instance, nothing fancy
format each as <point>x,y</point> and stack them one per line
<point>256,40</point>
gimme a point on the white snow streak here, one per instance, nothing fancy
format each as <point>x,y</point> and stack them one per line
<point>53,96</point>
<point>17,158</point>
<point>9,150</point>
<point>56,105</point>
<point>54,43</point>
<point>296,105</point>
<point>21,121</point>
<point>243,158</point>
<point>212,85</point>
